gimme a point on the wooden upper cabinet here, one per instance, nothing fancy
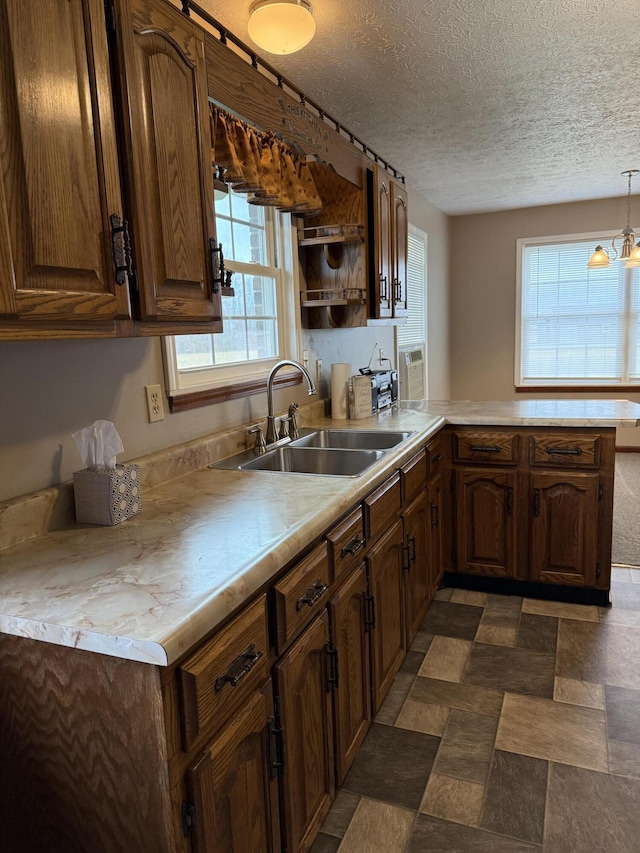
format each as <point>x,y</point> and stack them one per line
<point>167,138</point>
<point>400,249</point>
<point>389,223</point>
<point>59,168</point>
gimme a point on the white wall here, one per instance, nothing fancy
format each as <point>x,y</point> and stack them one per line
<point>483,293</point>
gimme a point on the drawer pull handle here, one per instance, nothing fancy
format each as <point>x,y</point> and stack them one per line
<point>352,546</point>
<point>239,668</point>
<point>564,451</point>
<point>315,591</point>
<point>484,448</point>
<point>437,458</point>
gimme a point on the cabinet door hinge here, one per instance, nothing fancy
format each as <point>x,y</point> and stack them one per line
<point>276,749</point>
<point>188,818</point>
<point>331,671</point>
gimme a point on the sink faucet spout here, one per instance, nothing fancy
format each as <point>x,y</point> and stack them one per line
<point>271,425</point>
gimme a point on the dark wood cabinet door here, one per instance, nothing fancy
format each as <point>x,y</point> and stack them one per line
<point>564,528</point>
<point>383,306</point>
<point>486,514</point>
<point>304,710</point>
<point>351,698</point>
<point>399,249</point>
<point>384,563</point>
<point>435,535</point>
<point>168,143</point>
<point>59,169</point>
<point>233,788</point>
<point>417,588</point>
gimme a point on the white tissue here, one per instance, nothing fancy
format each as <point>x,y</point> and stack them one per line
<point>98,445</point>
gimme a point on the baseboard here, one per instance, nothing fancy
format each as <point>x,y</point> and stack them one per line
<point>528,589</point>
<point>627,449</point>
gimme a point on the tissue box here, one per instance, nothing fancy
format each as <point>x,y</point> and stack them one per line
<point>107,497</point>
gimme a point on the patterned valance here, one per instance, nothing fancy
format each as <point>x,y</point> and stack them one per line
<point>255,162</point>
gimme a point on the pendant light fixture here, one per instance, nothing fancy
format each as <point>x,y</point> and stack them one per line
<point>630,250</point>
<point>281,26</point>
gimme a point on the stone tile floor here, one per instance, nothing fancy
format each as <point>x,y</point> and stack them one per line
<point>514,725</point>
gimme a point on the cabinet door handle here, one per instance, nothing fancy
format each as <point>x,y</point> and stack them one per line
<point>564,451</point>
<point>484,448</point>
<point>277,749</point>
<point>332,672</point>
<point>437,458</point>
<point>352,546</point>
<point>216,259</point>
<point>536,501</point>
<point>239,668</point>
<point>397,288</point>
<point>315,591</point>
<point>121,249</point>
<point>370,612</point>
<point>510,500</point>
<point>383,287</point>
<point>434,515</point>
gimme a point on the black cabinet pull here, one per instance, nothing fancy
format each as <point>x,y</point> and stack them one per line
<point>536,501</point>
<point>352,546</point>
<point>510,500</point>
<point>484,448</point>
<point>434,515</point>
<point>383,287</point>
<point>239,668</point>
<point>370,612</point>
<point>276,749</point>
<point>121,249</point>
<point>332,671</point>
<point>315,591</point>
<point>437,458</point>
<point>564,451</point>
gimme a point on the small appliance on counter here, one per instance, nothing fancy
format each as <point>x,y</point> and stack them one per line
<point>371,390</point>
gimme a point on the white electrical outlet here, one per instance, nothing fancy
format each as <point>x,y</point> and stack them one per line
<point>154,403</point>
<point>381,355</point>
<point>305,358</point>
<point>318,370</point>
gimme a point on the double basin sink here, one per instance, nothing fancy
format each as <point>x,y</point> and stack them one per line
<point>327,452</point>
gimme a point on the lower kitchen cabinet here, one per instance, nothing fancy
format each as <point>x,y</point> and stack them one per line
<point>486,534</point>
<point>233,786</point>
<point>417,588</point>
<point>386,616</point>
<point>304,677</point>
<point>435,546</point>
<point>351,696</point>
<point>564,528</point>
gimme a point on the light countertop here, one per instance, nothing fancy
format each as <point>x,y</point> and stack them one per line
<point>153,586</point>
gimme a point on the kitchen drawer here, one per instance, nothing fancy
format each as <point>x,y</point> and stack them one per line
<point>346,542</point>
<point>435,456</point>
<point>382,508</point>
<point>413,476</point>
<point>565,451</point>
<point>493,448</point>
<point>300,595</point>
<point>219,677</point>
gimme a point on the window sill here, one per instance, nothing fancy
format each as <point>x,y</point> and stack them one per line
<point>195,399</point>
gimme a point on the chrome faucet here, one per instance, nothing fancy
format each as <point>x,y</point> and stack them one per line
<point>271,421</point>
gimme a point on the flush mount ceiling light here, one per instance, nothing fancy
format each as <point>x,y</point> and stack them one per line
<point>281,26</point>
<point>629,252</point>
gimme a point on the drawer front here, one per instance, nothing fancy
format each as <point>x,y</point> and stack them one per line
<point>413,476</point>
<point>493,448</point>
<point>218,678</point>
<point>565,451</point>
<point>301,594</point>
<point>346,542</point>
<point>382,508</point>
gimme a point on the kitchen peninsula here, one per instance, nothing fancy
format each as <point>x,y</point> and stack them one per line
<point>113,733</point>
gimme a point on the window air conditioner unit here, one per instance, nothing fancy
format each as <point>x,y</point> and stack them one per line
<point>411,372</point>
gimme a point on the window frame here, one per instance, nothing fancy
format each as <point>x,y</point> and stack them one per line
<point>202,386</point>
<point>564,384</point>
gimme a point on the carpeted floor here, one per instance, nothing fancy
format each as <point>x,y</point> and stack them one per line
<point>626,510</point>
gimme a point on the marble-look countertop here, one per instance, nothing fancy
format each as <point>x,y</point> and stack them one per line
<point>150,588</point>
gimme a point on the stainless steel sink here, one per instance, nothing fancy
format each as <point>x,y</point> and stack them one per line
<point>329,462</point>
<point>352,439</point>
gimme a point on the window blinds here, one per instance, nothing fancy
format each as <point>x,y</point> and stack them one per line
<point>413,331</point>
<point>578,326</point>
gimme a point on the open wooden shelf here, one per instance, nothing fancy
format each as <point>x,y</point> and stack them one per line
<point>339,296</point>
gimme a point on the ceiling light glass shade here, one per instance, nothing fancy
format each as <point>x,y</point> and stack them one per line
<point>599,259</point>
<point>281,26</point>
<point>634,257</point>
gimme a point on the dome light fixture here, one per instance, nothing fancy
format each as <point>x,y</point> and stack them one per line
<point>281,26</point>
<point>630,250</point>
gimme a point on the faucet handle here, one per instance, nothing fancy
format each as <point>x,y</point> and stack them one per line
<point>293,421</point>
<point>284,427</point>
<point>260,445</point>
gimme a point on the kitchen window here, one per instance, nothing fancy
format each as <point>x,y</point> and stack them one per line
<point>259,321</point>
<point>575,326</point>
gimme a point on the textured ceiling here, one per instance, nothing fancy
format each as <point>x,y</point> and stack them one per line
<point>482,104</point>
